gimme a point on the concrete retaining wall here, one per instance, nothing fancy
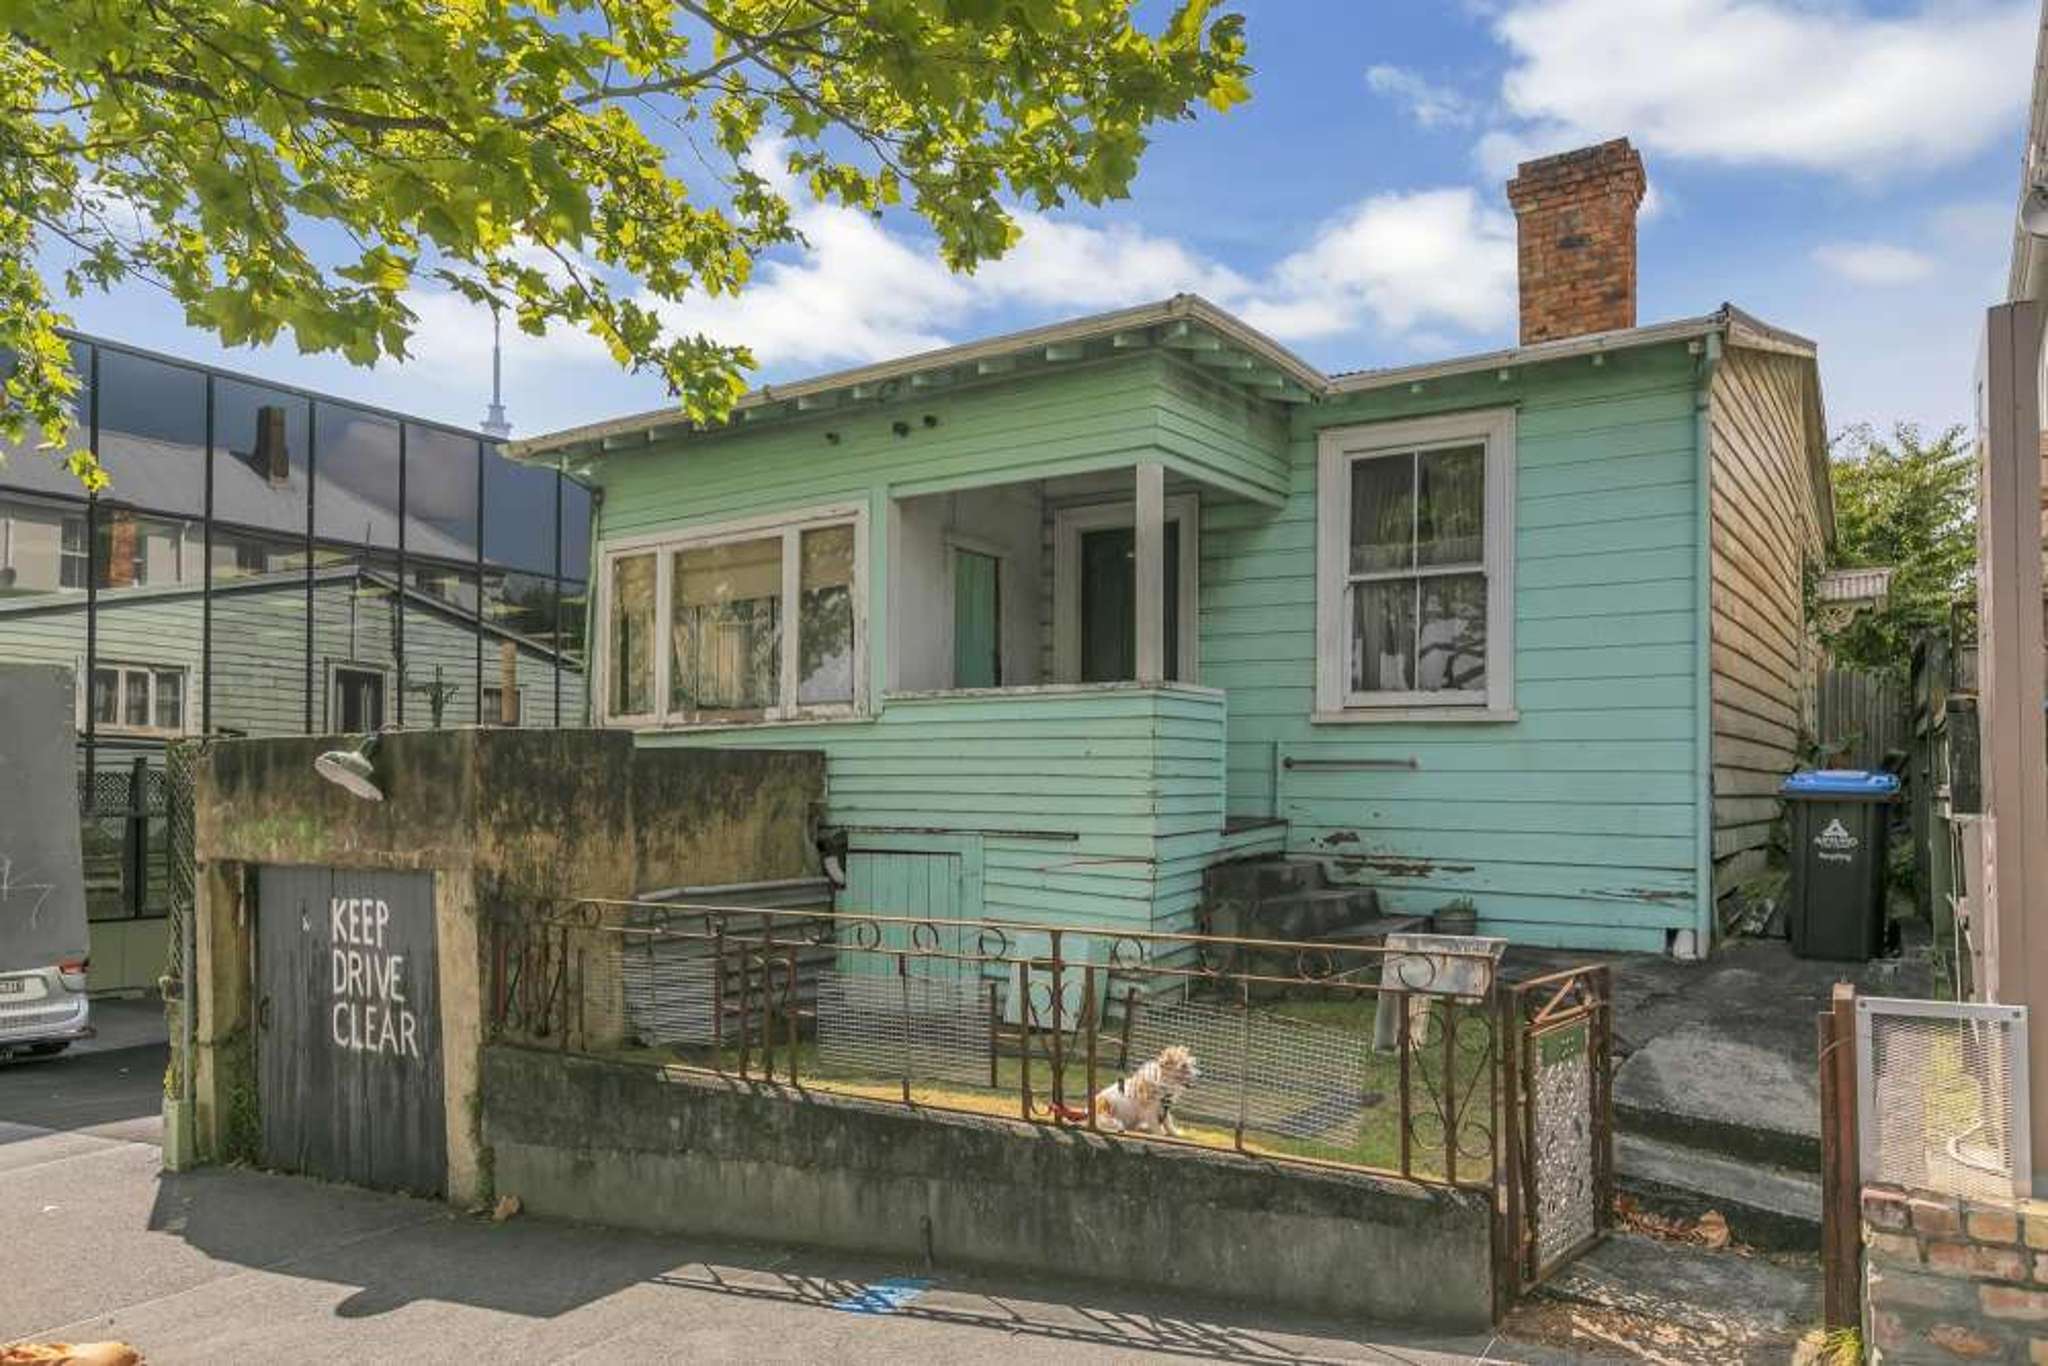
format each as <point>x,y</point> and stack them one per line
<point>500,816</point>
<point>641,1147</point>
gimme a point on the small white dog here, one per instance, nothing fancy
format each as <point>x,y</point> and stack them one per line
<point>1143,1101</point>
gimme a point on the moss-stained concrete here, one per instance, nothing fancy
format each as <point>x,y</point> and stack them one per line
<point>642,1147</point>
<point>725,816</point>
<point>526,819</point>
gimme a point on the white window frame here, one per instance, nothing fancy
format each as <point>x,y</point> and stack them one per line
<point>66,557</point>
<point>663,546</point>
<point>122,669</point>
<point>1338,449</point>
<point>1069,525</point>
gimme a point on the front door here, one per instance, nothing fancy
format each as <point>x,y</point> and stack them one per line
<point>348,1027</point>
<point>1109,596</point>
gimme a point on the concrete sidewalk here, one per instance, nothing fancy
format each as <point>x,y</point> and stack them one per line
<point>231,1265</point>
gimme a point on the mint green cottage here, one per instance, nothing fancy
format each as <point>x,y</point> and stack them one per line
<point>1077,613</point>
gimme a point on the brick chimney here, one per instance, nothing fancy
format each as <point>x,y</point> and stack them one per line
<point>1575,217</point>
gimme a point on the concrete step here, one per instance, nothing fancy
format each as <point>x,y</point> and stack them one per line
<point>1311,915</point>
<point>1712,1086</point>
<point>1671,1302</point>
<point>1768,1207</point>
<point>1256,879</point>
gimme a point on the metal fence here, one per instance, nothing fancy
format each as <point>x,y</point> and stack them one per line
<point>124,810</point>
<point>1297,1052</point>
<point>1941,1096</point>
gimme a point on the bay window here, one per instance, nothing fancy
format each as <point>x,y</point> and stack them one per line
<point>753,621</point>
<point>1415,572</point>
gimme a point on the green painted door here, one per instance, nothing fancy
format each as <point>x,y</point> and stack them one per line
<point>977,620</point>
<point>1109,616</point>
<point>933,879</point>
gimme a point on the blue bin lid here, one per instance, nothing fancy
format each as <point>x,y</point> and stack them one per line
<point>1841,782</point>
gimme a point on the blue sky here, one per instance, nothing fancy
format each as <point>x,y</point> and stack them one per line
<point>1844,169</point>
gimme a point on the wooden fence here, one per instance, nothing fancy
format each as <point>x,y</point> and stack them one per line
<point>1862,717</point>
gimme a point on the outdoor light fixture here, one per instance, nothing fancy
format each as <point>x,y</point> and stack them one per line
<point>353,769</point>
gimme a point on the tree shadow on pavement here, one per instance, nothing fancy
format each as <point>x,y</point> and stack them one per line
<point>394,1250</point>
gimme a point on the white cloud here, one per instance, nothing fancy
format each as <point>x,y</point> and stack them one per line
<point>1403,261</point>
<point>1874,263</point>
<point>1429,104</point>
<point>1072,265</point>
<point>1818,86</point>
<point>1417,267</point>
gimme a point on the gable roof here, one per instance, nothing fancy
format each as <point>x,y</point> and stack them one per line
<point>1235,350</point>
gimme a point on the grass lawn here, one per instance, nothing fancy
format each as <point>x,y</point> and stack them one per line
<point>1378,1144</point>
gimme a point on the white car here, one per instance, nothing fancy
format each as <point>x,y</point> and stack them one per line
<point>43,1010</point>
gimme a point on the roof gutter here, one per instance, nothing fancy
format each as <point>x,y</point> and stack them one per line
<point>1738,327</point>
<point>1723,320</point>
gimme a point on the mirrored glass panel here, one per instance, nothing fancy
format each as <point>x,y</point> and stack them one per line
<point>440,495</point>
<point>42,545</point>
<point>576,529</point>
<point>135,550</point>
<point>524,603</point>
<point>440,660</point>
<point>355,464</point>
<point>29,467</point>
<point>519,516</point>
<point>259,456</point>
<point>239,554</point>
<point>152,439</point>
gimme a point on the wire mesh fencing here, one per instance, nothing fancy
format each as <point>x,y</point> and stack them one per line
<point>1311,1053</point>
<point>1942,1096</point>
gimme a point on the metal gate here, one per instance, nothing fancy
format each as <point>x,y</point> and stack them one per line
<point>349,1038</point>
<point>1557,1172</point>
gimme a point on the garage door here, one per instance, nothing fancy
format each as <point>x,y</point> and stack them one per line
<point>348,1027</point>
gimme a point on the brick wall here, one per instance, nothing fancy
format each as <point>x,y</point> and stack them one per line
<point>1576,233</point>
<point>1953,1280</point>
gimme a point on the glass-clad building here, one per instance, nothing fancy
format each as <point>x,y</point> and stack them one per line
<point>271,561</point>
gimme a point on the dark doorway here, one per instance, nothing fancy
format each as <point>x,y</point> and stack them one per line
<point>358,700</point>
<point>1109,616</point>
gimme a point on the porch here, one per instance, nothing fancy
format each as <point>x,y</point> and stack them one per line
<point>1003,678</point>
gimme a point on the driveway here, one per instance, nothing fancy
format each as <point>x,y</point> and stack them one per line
<point>233,1265</point>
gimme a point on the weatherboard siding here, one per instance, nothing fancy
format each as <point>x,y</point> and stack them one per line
<point>1094,804</point>
<point>259,642</point>
<point>1766,531</point>
<point>1575,824</point>
<point>1093,415</point>
<point>1114,796</point>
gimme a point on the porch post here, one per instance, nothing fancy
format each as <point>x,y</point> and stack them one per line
<point>1149,581</point>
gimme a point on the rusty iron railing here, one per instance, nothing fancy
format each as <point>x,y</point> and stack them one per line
<point>1325,1054</point>
<point>1557,1166</point>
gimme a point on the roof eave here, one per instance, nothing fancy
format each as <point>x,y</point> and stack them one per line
<point>660,423</point>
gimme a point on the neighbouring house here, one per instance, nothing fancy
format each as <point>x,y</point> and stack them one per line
<point>240,577</point>
<point>1079,612</point>
<point>150,670</point>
